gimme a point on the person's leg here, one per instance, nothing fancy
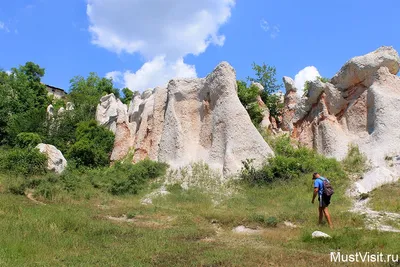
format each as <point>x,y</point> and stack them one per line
<point>321,215</point>
<point>328,217</point>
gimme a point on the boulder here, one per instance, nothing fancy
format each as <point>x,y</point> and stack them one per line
<point>55,159</point>
<point>319,234</point>
<point>359,69</point>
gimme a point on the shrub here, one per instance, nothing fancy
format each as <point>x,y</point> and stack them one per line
<point>25,161</point>
<point>355,161</point>
<point>289,163</point>
<point>128,178</point>
<point>271,222</point>
<point>28,140</point>
<point>93,146</point>
<point>125,177</point>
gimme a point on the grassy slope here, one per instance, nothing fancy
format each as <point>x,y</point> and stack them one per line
<point>177,230</point>
<point>386,198</point>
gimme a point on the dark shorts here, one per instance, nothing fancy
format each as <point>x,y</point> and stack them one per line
<point>324,201</point>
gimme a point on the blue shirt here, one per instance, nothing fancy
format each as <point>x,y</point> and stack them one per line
<point>320,184</point>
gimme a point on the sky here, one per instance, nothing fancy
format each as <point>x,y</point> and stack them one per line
<point>142,44</point>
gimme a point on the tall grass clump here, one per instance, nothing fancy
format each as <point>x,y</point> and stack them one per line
<point>128,178</point>
<point>355,161</point>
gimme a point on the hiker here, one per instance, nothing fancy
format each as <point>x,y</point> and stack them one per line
<point>324,190</point>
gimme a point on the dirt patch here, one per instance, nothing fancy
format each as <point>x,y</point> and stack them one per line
<point>162,222</point>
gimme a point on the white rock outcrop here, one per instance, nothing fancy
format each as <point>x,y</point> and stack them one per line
<point>359,106</point>
<point>55,159</point>
<point>319,234</point>
<point>192,120</point>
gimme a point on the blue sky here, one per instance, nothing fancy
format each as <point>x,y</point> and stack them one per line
<point>142,43</point>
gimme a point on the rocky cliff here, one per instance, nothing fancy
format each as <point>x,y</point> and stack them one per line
<point>191,120</point>
<point>361,106</point>
<point>196,120</point>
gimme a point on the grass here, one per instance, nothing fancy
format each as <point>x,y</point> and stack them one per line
<point>83,224</point>
<point>178,230</point>
<point>386,198</point>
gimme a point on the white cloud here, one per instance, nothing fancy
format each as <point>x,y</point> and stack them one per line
<point>273,30</point>
<point>8,72</point>
<point>154,73</point>
<point>264,25</point>
<point>309,73</point>
<point>163,32</point>
<point>152,28</point>
<point>115,76</point>
<point>4,27</point>
<point>157,72</point>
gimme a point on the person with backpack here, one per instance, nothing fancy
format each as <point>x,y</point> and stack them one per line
<point>324,190</point>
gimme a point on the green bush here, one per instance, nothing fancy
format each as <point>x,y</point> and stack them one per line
<point>271,222</point>
<point>28,140</point>
<point>125,177</point>
<point>128,178</point>
<point>290,162</point>
<point>24,161</point>
<point>248,98</point>
<point>93,146</point>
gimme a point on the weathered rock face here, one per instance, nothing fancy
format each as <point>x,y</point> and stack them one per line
<point>360,106</point>
<point>191,120</point>
<point>55,159</point>
<point>113,114</point>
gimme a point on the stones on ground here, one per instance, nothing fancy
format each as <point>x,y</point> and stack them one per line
<point>55,159</point>
<point>319,234</point>
<point>244,230</point>
<point>289,224</point>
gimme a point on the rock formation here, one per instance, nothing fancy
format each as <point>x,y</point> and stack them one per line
<point>55,159</point>
<point>191,120</point>
<point>360,106</point>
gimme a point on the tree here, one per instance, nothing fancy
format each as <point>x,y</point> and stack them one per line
<point>248,98</point>
<point>23,101</point>
<point>128,95</point>
<point>266,76</point>
<point>86,93</point>
<point>93,146</point>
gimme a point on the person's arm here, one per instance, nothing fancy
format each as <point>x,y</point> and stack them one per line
<point>314,194</point>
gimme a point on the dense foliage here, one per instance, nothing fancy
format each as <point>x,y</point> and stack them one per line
<point>85,93</point>
<point>22,161</point>
<point>93,145</point>
<point>289,163</point>
<point>266,76</point>
<point>248,98</point>
<point>28,140</point>
<point>24,121</point>
<point>128,95</point>
<point>23,102</point>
